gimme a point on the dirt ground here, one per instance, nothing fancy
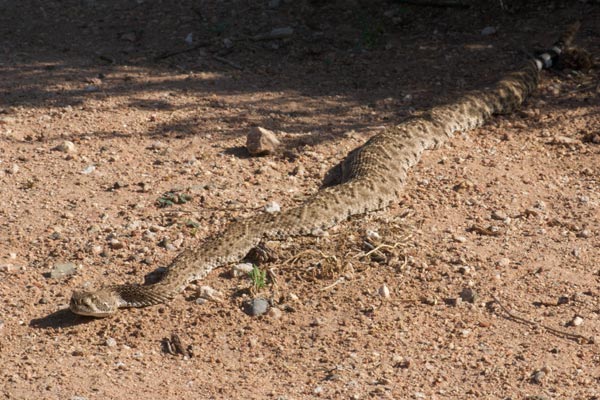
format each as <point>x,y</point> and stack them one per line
<point>507,310</point>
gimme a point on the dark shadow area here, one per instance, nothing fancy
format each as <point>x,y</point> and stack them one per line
<point>339,67</point>
<point>60,319</point>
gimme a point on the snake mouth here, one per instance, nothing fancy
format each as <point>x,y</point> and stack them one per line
<point>87,304</point>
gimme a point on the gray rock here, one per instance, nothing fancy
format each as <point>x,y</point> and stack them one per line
<point>468,295</point>
<point>61,270</point>
<point>272,207</point>
<point>488,30</point>
<point>256,307</point>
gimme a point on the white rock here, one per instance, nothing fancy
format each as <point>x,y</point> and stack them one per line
<point>577,321</point>
<point>208,293</point>
<point>272,207</point>
<point>89,169</point>
<point>242,269</point>
<point>274,313</point>
<point>110,342</point>
<point>384,291</point>
<point>189,39</point>
<point>373,235</point>
<point>65,147</point>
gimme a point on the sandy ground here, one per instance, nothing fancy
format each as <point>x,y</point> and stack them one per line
<point>509,312</point>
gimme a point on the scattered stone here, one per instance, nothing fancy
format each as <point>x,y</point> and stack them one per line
<point>373,235</point>
<point>110,342</point>
<point>318,232</point>
<point>453,301</point>
<point>562,300</point>
<point>469,295</point>
<point>1,323</point>
<point>275,313</point>
<point>208,293</point>
<point>499,215</point>
<point>261,141</point>
<point>488,30</point>
<point>256,307</point>
<point>564,141</point>
<point>459,239</point>
<point>293,297</point>
<point>65,147</point>
<point>189,39</point>
<point>96,250</point>
<point>503,262</point>
<point>585,233</point>
<point>577,321</point>
<point>13,169</point>
<point>116,244</point>
<point>242,269</point>
<point>277,33</point>
<point>8,268</point>
<point>272,207</point>
<point>384,291</point>
<point>538,376</point>
<point>61,270</point>
<point>89,169</point>
<point>78,398</point>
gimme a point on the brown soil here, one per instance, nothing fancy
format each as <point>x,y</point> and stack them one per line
<point>103,75</point>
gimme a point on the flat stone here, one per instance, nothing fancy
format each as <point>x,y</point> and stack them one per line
<point>61,270</point>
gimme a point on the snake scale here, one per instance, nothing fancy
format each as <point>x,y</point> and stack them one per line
<point>372,177</point>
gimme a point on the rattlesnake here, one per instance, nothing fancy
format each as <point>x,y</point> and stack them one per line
<point>372,177</point>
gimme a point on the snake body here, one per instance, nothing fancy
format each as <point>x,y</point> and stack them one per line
<point>372,176</point>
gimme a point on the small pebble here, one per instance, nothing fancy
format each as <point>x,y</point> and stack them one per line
<point>499,215</point>
<point>65,147</point>
<point>577,321</point>
<point>503,262</point>
<point>488,30</point>
<point>538,376</point>
<point>208,293</point>
<point>9,268</point>
<point>459,239</point>
<point>242,269</point>
<point>115,244</point>
<point>384,291</point>
<point>586,233</point>
<point>468,295</point>
<point>275,313</point>
<point>293,297</point>
<point>373,235</point>
<point>89,169</point>
<point>256,307</point>
<point>61,270</point>
<point>14,168</point>
<point>272,207</point>
<point>110,342</point>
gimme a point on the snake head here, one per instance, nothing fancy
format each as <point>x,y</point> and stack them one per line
<point>97,304</point>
